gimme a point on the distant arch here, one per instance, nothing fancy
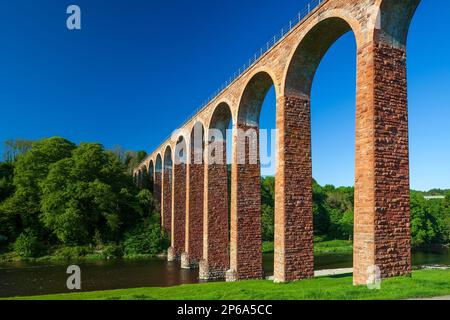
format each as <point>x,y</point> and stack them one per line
<point>181,154</point>
<point>151,175</point>
<point>197,143</point>
<point>252,98</point>
<point>157,184</point>
<point>158,163</point>
<point>221,117</point>
<point>168,158</point>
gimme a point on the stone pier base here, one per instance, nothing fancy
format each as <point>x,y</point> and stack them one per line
<point>231,276</point>
<point>171,254</point>
<point>207,272</point>
<point>187,262</point>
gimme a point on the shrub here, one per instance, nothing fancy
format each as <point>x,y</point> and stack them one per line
<point>72,253</point>
<point>27,245</point>
<point>111,251</point>
<point>147,239</point>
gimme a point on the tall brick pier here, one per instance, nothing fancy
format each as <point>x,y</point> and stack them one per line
<point>219,229</point>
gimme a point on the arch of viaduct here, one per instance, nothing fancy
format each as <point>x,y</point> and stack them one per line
<point>194,195</point>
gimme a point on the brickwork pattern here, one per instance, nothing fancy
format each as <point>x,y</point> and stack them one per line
<point>215,233</point>
<point>194,227</point>
<point>246,240</point>
<point>167,201</point>
<point>157,191</point>
<point>294,253</point>
<point>392,211</point>
<point>179,209</point>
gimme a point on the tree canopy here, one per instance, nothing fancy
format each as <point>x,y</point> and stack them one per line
<point>333,213</point>
<point>60,193</point>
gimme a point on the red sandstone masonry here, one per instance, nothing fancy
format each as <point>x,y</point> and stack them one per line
<point>167,201</point>
<point>382,224</point>
<point>392,220</point>
<point>215,233</point>
<point>294,254</point>
<point>363,246</point>
<point>157,190</point>
<point>178,210</point>
<point>194,220</point>
<point>245,241</point>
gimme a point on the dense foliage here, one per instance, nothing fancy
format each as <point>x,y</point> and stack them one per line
<point>333,214</point>
<point>55,194</point>
<point>430,220</point>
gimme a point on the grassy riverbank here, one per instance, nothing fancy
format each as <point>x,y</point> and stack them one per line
<point>76,254</point>
<point>86,253</point>
<point>422,284</point>
<point>321,247</point>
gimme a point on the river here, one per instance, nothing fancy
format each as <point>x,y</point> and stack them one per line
<point>20,278</point>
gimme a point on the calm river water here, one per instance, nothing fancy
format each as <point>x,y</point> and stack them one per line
<point>18,279</point>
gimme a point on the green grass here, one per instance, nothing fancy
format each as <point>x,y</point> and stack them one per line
<point>332,246</point>
<point>267,247</point>
<point>71,254</point>
<point>422,284</point>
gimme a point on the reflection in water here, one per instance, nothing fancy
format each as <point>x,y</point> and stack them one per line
<point>18,279</point>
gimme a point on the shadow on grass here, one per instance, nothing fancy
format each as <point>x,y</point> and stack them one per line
<point>338,276</point>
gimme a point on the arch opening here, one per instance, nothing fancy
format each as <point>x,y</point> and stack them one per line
<point>294,183</point>
<point>309,54</point>
<point>151,176</point>
<point>246,258</point>
<point>333,109</point>
<point>157,184</point>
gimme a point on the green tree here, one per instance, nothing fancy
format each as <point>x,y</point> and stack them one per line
<point>145,239</point>
<point>30,169</point>
<point>132,159</point>
<point>321,216</point>
<point>6,180</point>
<point>267,220</point>
<point>428,220</point>
<point>82,196</point>
<point>346,225</point>
<point>15,147</point>
<point>267,208</point>
<point>147,203</point>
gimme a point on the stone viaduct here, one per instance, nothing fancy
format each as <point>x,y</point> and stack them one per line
<point>194,197</point>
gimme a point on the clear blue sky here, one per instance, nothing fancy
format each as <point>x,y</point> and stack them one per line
<point>138,68</point>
